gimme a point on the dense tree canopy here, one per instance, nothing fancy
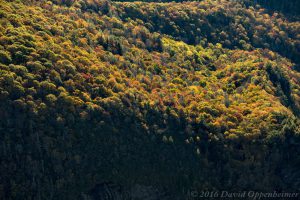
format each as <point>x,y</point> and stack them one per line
<point>201,94</point>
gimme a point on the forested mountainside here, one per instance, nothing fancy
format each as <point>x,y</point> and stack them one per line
<point>288,7</point>
<point>170,96</point>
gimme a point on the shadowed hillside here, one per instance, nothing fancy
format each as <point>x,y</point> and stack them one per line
<point>134,98</point>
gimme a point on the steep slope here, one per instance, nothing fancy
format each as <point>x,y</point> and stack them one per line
<point>225,22</point>
<point>91,93</point>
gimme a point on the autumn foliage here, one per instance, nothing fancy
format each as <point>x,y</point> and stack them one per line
<point>201,94</point>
